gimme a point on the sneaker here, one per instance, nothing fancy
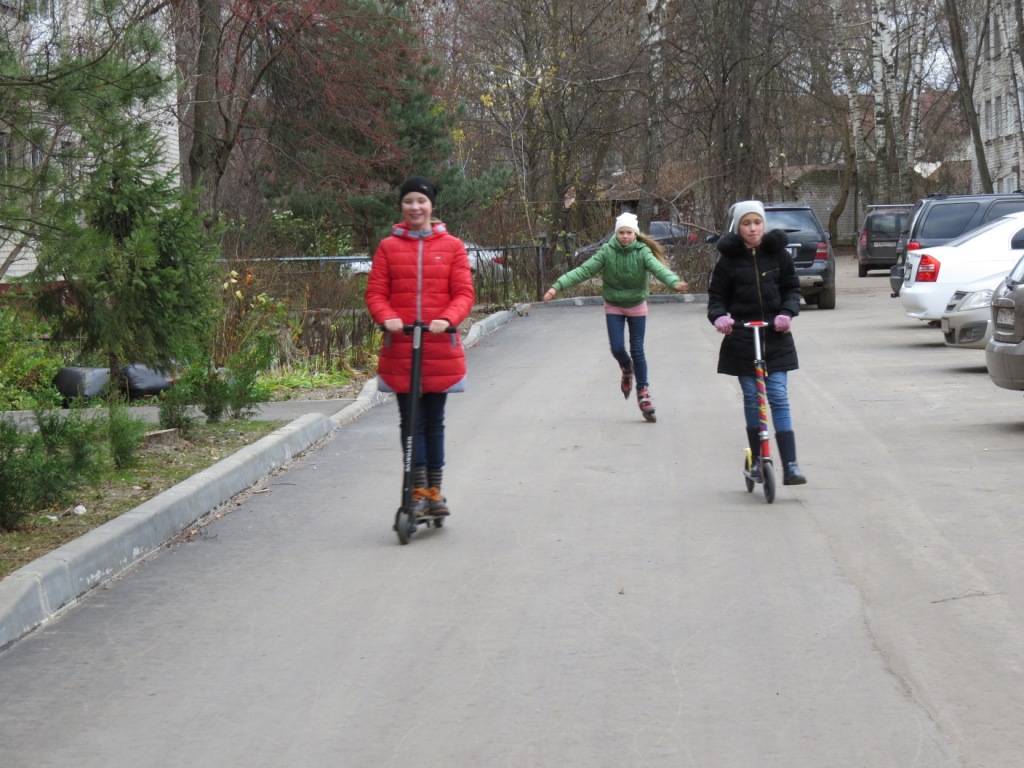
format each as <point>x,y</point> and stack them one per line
<point>438,505</point>
<point>754,473</point>
<point>627,381</point>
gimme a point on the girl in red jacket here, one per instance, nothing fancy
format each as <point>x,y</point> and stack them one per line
<point>420,272</point>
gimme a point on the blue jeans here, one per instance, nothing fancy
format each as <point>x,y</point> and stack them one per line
<point>635,358</point>
<point>778,401</point>
<point>428,442</point>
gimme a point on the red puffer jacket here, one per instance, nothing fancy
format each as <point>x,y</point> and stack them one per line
<point>426,278</point>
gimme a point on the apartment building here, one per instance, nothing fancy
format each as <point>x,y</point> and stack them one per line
<point>999,98</point>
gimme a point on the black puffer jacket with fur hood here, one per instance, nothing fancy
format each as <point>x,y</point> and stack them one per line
<point>751,285</point>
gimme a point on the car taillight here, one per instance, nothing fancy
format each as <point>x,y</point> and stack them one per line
<point>864,239</point>
<point>822,252</point>
<point>928,269</point>
<point>498,259</point>
<point>913,245</point>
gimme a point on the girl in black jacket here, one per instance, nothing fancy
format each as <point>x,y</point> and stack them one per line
<point>754,279</point>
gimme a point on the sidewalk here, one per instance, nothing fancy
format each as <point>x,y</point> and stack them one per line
<point>34,594</point>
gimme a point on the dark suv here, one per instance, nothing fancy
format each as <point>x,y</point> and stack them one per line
<point>876,241</point>
<point>937,219</point>
<point>811,249</point>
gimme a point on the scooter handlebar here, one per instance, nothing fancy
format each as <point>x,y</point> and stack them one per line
<point>408,329</point>
<point>756,324</point>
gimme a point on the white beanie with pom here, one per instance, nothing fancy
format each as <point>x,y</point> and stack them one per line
<point>629,221</point>
<point>741,209</point>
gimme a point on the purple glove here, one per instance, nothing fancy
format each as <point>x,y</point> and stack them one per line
<point>782,323</point>
<point>724,323</point>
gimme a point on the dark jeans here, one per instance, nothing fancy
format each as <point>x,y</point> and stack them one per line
<point>429,438</point>
<point>635,356</point>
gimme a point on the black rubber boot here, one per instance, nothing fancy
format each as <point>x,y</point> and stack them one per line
<point>754,441</point>
<point>791,474</point>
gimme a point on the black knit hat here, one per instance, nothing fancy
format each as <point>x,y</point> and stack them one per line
<point>418,184</point>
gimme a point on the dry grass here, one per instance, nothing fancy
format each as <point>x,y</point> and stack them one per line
<point>161,467</point>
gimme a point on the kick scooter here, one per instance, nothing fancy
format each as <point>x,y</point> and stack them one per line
<point>765,476</point>
<point>414,512</point>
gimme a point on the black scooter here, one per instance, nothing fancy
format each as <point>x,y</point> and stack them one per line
<point>414,512</point>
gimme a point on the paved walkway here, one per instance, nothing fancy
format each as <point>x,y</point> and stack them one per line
<point>37,592</point>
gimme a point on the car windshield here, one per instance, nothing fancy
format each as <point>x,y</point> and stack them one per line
<point>796,220</point>
<point>886,224</point>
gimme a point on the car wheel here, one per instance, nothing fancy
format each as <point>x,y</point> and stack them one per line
<point>862,270</point>
<point>827,296</point>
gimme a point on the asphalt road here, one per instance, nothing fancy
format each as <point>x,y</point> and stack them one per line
<point>606,593</point>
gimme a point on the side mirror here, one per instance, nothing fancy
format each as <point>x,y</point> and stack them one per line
<point>712,238</point>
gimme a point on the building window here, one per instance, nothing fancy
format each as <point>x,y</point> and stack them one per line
<point>997,113</point>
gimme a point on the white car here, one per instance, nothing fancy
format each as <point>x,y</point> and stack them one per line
<point>967,319</point>
<point>486,262</point>
<point>933,274</point>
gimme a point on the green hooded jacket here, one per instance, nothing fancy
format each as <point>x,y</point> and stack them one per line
<point>624,273</point>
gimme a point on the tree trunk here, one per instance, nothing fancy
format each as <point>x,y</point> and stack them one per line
<point>906,190</point>
<point>203,160</point>
<point>1015,88</point>
<point>654,140</point>
<point>881,46</point>
<point>965,88</point>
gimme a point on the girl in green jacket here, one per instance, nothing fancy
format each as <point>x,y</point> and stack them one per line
<point>625,263</point>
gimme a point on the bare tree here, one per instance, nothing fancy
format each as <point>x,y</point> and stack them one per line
<point>966,69</point>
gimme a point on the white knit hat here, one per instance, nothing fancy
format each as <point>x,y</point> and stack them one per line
<point>629,221</point>
<point>741,209</point>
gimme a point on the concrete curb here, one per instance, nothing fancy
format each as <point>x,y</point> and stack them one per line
<point>39,591</point>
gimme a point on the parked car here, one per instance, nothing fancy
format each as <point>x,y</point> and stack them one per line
<point>488,262</point>
<point>967,319</point>
<point>937,219</point>
<point>876,240</point>
<point>933,274</point>
<point>1004,353</point>
<point>811,248</point>
<point>665,232</point>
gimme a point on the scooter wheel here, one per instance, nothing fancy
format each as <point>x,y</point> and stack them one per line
<point>405,526</point>
<point>768,476</point>
<point>746,473</point>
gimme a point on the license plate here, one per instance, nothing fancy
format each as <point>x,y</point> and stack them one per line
<point>944,323</point>
<point>879,244</point>
<point>1004,316</point>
